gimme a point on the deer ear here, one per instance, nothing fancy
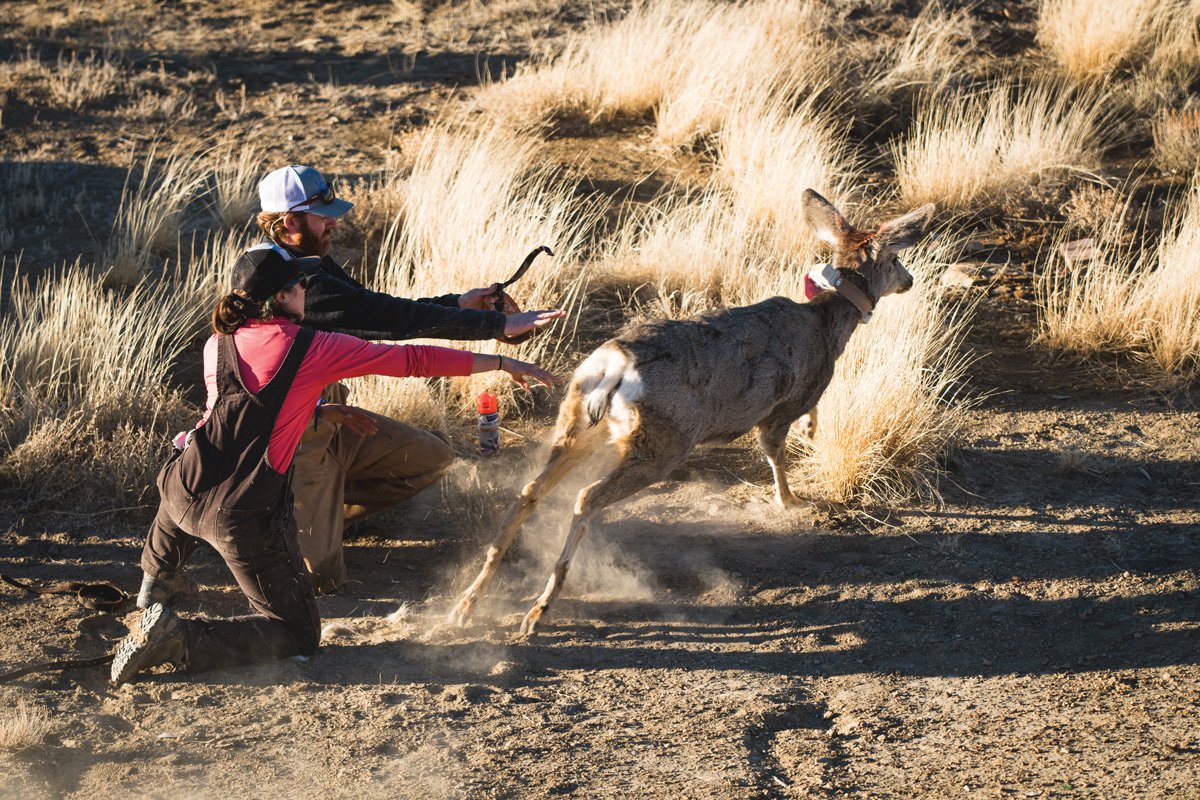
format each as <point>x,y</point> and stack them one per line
<point>826,221</point>
<point>905,231</point>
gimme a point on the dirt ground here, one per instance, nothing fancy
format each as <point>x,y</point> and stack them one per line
<point>1036,635</point>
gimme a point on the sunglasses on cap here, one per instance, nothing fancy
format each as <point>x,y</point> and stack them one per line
<point>326,195</point>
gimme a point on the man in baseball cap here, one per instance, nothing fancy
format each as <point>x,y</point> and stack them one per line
<point>341,475</point>
<point>296,188</point>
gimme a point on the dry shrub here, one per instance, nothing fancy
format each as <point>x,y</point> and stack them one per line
<point>1177,140</point>
<point>1091,38</point>
<point>235,166</point>
<point>475,203</point>
<point>769,152</point>
<point>1144,301</point>
<point>611,70</point>
<point>23,725</point>
<point>84,403</point>
<point>966,150</point>
<point>151,213</point>
<point>762,50</point>
<point>931,56</point>
<point>893,408</point>
<point>74,82</point>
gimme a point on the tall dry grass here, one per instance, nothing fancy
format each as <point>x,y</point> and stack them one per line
<point>679,60</point>
<point>931,56</point>
<point>475,202</point>
<point>1168,297</point>
<point>1089,39</point>
<point>894,407</point>
<point>966,150</point>
<point>1138,299</point>
<point>716,71</point>
<point>235,167</point>
<point>1150,47</point>
<point>609,70</point>
<point>1177,140</point>
<point>150,216</point>
<point>85,402</point>
<point>769,152</point>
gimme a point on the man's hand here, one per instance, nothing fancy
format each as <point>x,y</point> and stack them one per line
<point>516,324</point>
<point>352,417</point>
<point>480,299</point>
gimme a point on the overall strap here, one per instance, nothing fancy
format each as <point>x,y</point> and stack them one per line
<point>229,380</point>
<point>273,394</point>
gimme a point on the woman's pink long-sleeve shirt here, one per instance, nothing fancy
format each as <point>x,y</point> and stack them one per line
<point>262,347</point>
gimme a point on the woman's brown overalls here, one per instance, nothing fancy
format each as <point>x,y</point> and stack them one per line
<point>221,489</point>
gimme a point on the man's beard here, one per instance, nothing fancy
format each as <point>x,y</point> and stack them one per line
<point>311,243</point>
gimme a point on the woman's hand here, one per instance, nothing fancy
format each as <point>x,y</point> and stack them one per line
<point>516,324</point>
<point>352,417</point>
<point>522,371</point>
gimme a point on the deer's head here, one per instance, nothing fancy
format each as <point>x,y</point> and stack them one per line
<point>871,254</point>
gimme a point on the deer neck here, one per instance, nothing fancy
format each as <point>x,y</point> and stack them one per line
<point>856,304</point>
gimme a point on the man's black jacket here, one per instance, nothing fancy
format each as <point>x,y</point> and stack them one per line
<point>336,302</point>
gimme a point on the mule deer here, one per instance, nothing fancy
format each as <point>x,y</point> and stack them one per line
<point>656,390</point>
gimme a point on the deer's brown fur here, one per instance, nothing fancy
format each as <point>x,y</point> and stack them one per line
<point>655,391</point>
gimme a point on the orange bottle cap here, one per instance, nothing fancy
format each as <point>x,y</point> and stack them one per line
<point>487,403</point>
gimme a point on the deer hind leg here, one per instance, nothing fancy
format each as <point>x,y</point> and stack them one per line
<point>567,453</point>
<point>772,437</point>
<point>636,471</point>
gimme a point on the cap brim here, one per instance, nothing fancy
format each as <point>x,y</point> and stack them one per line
<point>308,265</point>
<point>334,208</point>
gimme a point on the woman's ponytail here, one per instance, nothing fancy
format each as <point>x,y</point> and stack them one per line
<point>236,309</point>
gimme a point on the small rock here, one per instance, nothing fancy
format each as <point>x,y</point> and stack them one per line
<point>964,274</point>
<point>1080,251</point>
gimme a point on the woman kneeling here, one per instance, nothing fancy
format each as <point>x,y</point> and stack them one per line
<point>229,484</point>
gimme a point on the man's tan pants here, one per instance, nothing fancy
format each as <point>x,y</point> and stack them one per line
<point>341,476</point>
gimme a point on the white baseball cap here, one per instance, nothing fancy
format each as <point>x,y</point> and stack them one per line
<point>297,188</point>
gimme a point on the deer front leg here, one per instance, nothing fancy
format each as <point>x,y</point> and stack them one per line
<point>772,437</point>
<point>649,459</point>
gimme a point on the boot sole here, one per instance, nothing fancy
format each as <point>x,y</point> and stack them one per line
<point>135,650</point>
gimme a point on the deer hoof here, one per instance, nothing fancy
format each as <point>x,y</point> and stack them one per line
<point>530,623</point>
<point>461,611</point>
<point>788,500</point>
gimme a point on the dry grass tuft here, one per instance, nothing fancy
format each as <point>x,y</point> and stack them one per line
<point>893,408</point>
<point>75,82</point>
<point>235,168</point>
<point>81,410</point>
<point>998,142</point>
<point>474,204</point>
<point>931,56</point>
<point>768,153</point>
<point>1089,39</point>
<point>675,59</point>
<point>23,725</point>
<point>716,71</point>
<point>1140,300</point>
<point>150,217</point>
<point>1177,140</point>
<point>608,71</point>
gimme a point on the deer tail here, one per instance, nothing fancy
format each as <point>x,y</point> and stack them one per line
<point>602,375</point>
